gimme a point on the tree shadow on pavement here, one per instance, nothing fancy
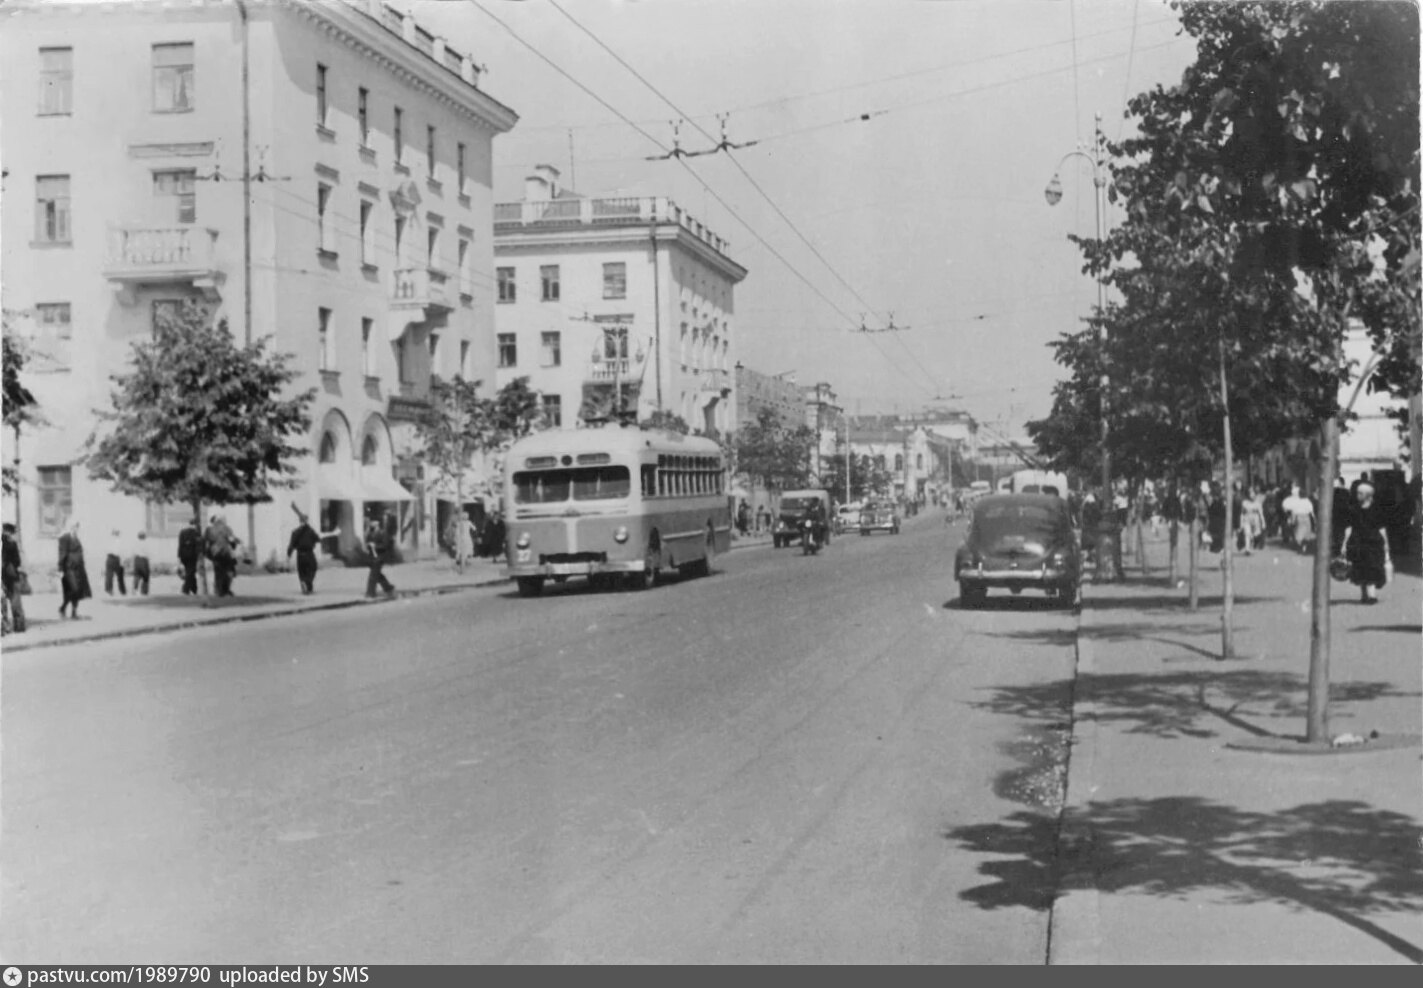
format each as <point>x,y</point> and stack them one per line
<point>1408,629</point>
<point>1188,703</point>
<point>1176,602</point>
<point>178,602</point>
<point>1337,858</point>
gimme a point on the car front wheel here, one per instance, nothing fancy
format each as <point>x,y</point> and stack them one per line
<point>971,596</point>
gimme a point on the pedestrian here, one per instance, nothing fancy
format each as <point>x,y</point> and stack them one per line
<point>140,565</point>
<point>1344,503</point>
<point>304,542</point>
<point>190,550</point>
<point>221,546</point>
<point>495,533</point>
<point>377,542</point>
<point>743,518</point>
<point>763,519</point>
<point>1365,545</point>
<point>1216,513</point>
<point>73,574</point>
<point>1299,519</point>
<point>13,570</point>
<point>114,564</point>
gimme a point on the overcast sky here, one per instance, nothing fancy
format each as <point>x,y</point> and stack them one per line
<point>932,209</point>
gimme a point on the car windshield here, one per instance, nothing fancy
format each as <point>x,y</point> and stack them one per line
<point>796,504</point>
<point>585,484</point>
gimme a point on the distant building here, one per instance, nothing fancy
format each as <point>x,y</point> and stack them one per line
<point>370,145</point>
<point>825,417</point>
<point>756,391</point>
<point>619,300</point>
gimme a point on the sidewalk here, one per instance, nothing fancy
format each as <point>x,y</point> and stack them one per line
<point>258,596</point>
<point>1181,848</point>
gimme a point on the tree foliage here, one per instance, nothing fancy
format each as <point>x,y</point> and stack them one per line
<point>461,424</point>
<point>20,406</point>
<point>774,455</point>
<point>200,420</point>
<point>669,421</point>
<point>866,479</point>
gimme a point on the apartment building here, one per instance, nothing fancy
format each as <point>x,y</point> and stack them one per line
<point>361,145</point>
<point>614,302</point>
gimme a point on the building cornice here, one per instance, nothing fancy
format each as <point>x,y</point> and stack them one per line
<point>553,238</point>
<point>359,31</point>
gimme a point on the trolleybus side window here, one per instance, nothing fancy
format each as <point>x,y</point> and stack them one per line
<point>649,480</point>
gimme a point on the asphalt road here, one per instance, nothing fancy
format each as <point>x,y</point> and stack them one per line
<point>779,763</point>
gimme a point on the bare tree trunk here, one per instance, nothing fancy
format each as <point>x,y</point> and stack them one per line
<point>1194,554</point>
<point>1317,717</point>
<point>1173,539</point>
<point>1141,533</point>
<point>1227,629</point>
<point>202,556</point>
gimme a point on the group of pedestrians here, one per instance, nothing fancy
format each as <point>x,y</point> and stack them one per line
<point>124,558</point>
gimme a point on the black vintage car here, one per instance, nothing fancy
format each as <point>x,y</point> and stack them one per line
<point>1019,541</point>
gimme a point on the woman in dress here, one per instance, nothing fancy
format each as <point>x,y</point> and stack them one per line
<point>1366,545</point>
<point>73,576</point>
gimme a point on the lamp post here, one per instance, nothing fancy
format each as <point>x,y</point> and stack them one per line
<point>1095,155</point>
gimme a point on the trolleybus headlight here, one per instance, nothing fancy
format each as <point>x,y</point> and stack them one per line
<point>621,535</point>
<point>523,541</point>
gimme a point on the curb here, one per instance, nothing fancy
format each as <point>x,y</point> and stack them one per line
<point>183,625</point>
<point>1074,920</point>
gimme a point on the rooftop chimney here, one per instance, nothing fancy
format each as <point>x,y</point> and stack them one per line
<point>550,175</point>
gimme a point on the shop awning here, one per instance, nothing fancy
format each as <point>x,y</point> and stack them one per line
<point>382,487</point>
<point>333,484</point>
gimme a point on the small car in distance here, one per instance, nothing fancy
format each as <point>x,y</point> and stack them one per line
<point>847,517</point>
<point>1016,542</point>
<point>879,516</point>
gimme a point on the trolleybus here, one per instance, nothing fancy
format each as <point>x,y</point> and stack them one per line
<point>618,502</point>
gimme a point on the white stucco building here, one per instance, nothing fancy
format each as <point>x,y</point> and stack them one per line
<point>601,295</point>
<point>134,131</point>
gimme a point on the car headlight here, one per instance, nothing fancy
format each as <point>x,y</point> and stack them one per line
<point>523,541</point>
<point>621,535</point>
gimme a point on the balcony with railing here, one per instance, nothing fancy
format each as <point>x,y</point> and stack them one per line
<point>607,371</point>
<point>510,217</point>
<point>420,288</point>
<point>141,254</point>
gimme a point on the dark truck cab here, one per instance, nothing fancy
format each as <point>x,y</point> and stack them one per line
<point>786,528</point>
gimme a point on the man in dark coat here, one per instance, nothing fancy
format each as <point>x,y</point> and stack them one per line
<point>304,542</point>
<point>14,616</point>
<point>221,549</point>
<point>377,544</point>
<point>73,574</point>
<point>190,550</point>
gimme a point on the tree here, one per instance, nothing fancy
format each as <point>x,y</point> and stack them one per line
<point>457,425</point>
<point>517,411</point>
<point>866,479</point>
<point>774,455</point>
<point>1269,198</point>
<point>21,409</point>
<point>200,420</point>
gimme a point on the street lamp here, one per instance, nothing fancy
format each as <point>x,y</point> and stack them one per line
<point>1095,155</point>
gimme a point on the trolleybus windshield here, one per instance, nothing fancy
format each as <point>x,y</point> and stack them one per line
<point>584,483</point>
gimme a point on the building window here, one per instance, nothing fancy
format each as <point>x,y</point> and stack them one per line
<point>176,194</point>
<point>552,352</point>
<point>368,362</point>
<point>368,233</point>
<point>173,78</point>
<point>898,462</point>
<point>402,369</point>
<point>615,343</point>
<point>506,284</point>
<point>166,520</point>
<point>327,452</point>
<point>370,452</point>
<point>553,411</point>
<point>464,359</point>
<point>459,168</point>
<point>399,241</point>
<point>508,350</point>
<point>56,498</point>
<point>52,219</point>
<point>615,280</point>
<point>682,345</point>
<point>53,320</point>
<point>434,353</point>
<point>56,80</point>
<point>433,253</point>
<point>464,272</point>
<point>399,135</point>
<point>548,278</point>
<point>323,328</point>
<point>323,223</point>
<point>320,95</point>
<point>363,120</point>
<point>430,151</point>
